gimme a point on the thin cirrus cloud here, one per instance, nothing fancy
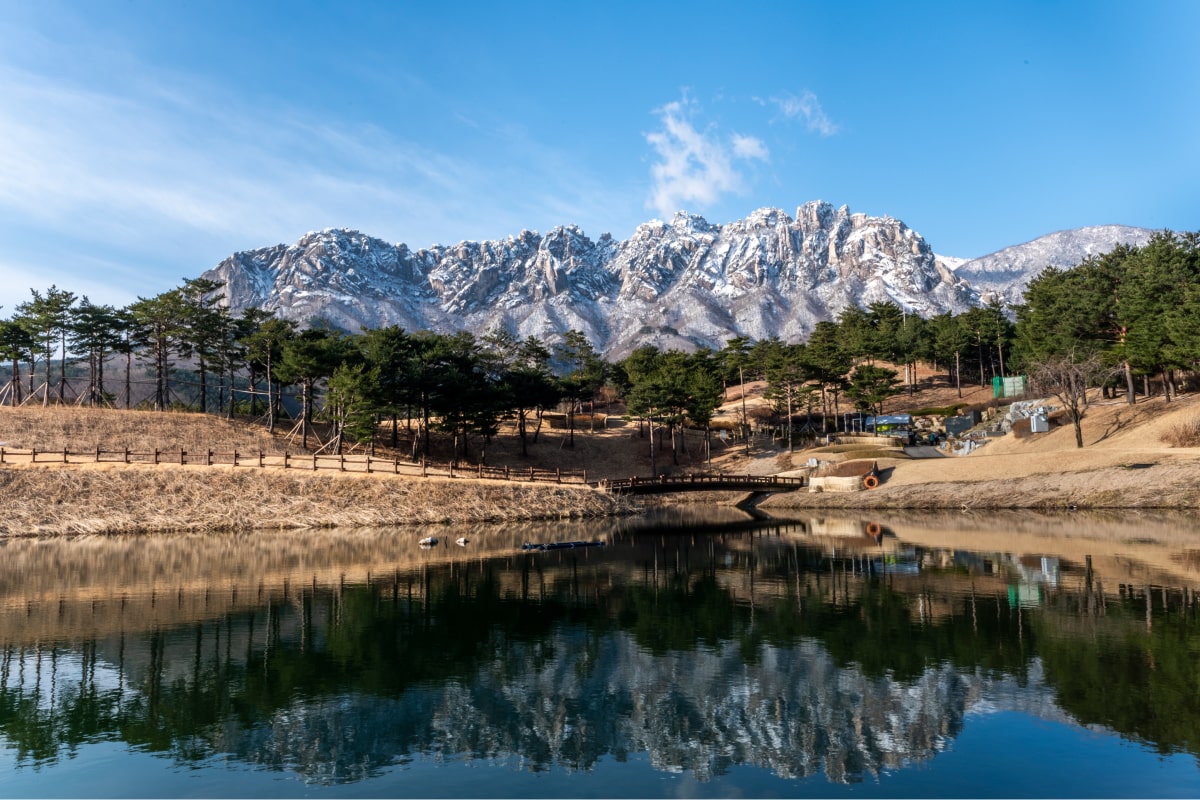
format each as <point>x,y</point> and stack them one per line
<point>158,161</point>
<point>805,108</point>
<point>695,166</point>
<point>172,174</point>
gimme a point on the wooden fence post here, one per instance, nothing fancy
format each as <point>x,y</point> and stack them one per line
<point>531,474</point>
<point>1,455</point>
<point>286,455</point>
<point>64,455</point>
<point>507,476</point>
<point>182,453</point>
<point>395,465</point>
<point>557,475</point>
<point>32,454</point>
<point>314,462</point>
<point>235,456</point>
<point>424,472</point>
<point>97,455</point>
<point>341,462</point>
<point>208,459</point>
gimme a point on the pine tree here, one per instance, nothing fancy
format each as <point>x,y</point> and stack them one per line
<point>949,341</point>
<point>265,345</point>
<point>870,385</point>
<point>16,343</point>
<point>201,327</point>
<point>50,315</point>
<point>159,323</point>
<point>787,372</point>
<point>96,332</point>
<point>306,358</point>
<point>828,362</point>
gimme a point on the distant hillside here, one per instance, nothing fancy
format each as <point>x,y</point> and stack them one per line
<point>1003,275</point>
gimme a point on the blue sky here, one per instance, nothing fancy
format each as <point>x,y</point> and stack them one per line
<point>142,141</point>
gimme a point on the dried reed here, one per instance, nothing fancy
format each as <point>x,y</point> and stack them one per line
<point>75,500</point>
<point>1185,433</point>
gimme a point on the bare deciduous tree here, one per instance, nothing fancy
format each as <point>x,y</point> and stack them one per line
<point>1067,377</point>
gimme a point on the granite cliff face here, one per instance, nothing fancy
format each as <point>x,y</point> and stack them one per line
<point>685,283</point>
<point>679,284</point>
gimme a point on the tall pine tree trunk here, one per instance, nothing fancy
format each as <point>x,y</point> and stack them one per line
<point>653,470</point>
<point>62,368</point>
<point>16,380</point>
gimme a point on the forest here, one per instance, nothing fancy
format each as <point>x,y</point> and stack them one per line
<point>1127,321</point>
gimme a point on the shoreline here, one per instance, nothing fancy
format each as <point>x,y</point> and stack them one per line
<point>1171,485</point>
<point>78,500</point>
<point>57,500</point>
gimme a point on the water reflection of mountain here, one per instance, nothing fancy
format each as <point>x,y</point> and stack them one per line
<point>566,700</point>
<point>796,657</point>
<point>795,713</point>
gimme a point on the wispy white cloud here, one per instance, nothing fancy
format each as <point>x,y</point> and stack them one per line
<point>695,166</point>
<point>171,173</point>
<point>806,108</point>
<point>749,147</point>
<point>130,163</point>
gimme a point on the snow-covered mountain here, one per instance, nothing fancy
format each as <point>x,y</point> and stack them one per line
<point>682,284</point>
<point>1003,275</point>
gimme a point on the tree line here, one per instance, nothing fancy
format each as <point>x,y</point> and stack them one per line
<point>1128,314</point>
<point>460,384</point>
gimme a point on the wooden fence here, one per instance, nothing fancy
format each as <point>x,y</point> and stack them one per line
<point>312,462</point>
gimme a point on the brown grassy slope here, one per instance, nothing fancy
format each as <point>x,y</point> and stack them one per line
<point>1124,464</point>
<point>614,448</point>
<point>85,429</point>
<point>1042,470</point>
<point>111,498</point>
<point>135,499</point>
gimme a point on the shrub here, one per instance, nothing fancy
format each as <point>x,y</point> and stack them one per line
<point>945,411</point>
<point>1184,434</point>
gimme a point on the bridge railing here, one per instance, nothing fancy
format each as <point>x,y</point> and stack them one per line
<point>665,483</point>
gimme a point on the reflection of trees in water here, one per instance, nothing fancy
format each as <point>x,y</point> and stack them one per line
<point>1136,672</point>
<point>340,683</point>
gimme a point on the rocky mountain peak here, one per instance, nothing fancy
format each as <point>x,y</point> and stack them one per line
<point>686,283</point>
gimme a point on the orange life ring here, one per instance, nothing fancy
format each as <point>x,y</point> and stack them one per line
<point>874,529</point>
<point>870,481</point>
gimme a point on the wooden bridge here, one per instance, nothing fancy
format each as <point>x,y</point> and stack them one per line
<point>703,483</point>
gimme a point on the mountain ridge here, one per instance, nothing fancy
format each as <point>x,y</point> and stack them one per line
<point>1004,274</point>
<point>685,283</point>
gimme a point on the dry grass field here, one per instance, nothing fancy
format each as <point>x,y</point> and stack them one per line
<point>85,429</point>
<point>137,499</point>
<point>1128,462</point>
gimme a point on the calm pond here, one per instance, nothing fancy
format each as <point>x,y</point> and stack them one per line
<point>694,654</point>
